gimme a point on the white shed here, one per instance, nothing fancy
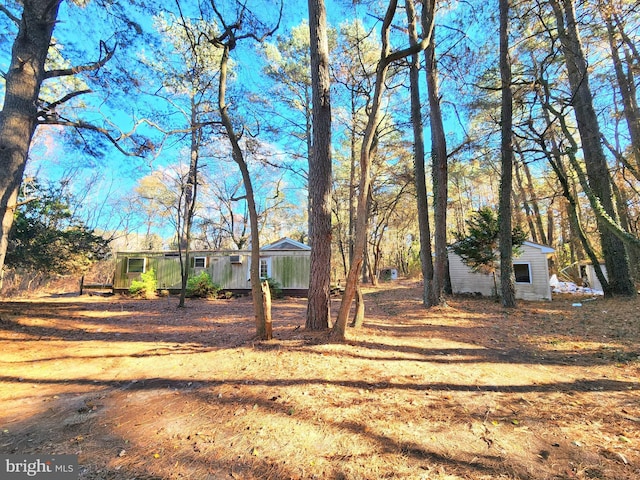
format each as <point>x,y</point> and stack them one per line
<point>531,270</point>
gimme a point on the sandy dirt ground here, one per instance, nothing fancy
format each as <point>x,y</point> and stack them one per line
<point>141,389</point>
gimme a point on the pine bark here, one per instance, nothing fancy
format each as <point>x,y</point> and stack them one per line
<point>424,229</point>
<point>319,297</point>
<point>507,279</point>
<point>189,196</point>
<point>440,175</point>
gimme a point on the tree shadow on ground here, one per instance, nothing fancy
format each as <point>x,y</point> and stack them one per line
<point>230,330</point>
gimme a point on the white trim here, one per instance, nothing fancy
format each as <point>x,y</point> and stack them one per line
<point>267,263</point>
<point>278,245</point>
<point>195,261</point>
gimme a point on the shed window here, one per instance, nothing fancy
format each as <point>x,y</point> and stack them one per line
<point>136,265</point>
<point>522,272</point>
<point>199,262</point>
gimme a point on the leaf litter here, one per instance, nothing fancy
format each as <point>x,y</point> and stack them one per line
<point>143,389</point>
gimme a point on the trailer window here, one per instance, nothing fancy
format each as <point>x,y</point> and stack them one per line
<point>136,265</point>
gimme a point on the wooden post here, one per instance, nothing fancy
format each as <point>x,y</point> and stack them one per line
<point>266,303</point>
<point>81,284</point>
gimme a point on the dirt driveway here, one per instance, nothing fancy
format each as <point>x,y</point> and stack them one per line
<point>143,390</point>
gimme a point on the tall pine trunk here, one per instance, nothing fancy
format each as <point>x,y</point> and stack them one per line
<point>387,57</point>
<point>507,279</point>
<point>190,194</point>
<point>319,297</point>
<point>424,229</point>
<point>440,175</point>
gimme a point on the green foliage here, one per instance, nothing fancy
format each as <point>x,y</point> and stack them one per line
<point>478,249</point>
<point>47,238</point>
<point>274,287</point>
<point>145,287</point>
<point>201,286</point>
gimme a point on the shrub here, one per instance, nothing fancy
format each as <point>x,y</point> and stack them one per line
<point>145,287</point>
<point>274,287</point>
<point>201,286</point>
<point>385,275</point>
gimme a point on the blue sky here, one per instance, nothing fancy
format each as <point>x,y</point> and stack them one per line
<point>116,175</point>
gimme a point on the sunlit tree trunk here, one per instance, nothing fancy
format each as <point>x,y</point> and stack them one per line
<point>386,58</point>
<point>189,197</point>
<point>339,328</point>
<point>18,118</point>
<point>353,167</point>
<point>319,297</point>
<point>440,174</point>
<point>520,198</point>
<point>533,197</point>
<point>529,197</point>
<point>259,302</point>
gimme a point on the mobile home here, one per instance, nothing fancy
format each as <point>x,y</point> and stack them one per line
<point>286,261</point>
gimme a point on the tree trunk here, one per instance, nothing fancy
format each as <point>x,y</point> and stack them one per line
<point>534,204</point>
<point>266,306</point>
<point>622,205</point>
<point>530,199</point>
<point>319,297</point>
<point>440,173</point>
<point>189,198</point>
<point>424,229</point>
<point>358,316</point>
<point>520,198</point>
<point>386,58</point>
<point>339,328</point>
<point>18,118</point>
<point>507,279</point>
<point>236,152</point>
<point>613,249</point>
<point>352,177</point>
<point>626,85</point>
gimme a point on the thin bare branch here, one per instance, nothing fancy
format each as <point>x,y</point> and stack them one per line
<point>11,16</point>
<point>62,72</point>
<point>52,106</point>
